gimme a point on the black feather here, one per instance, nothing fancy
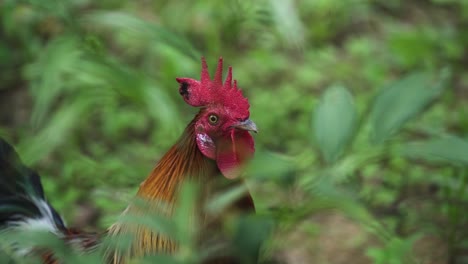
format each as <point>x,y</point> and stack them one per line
<point>20,190</point>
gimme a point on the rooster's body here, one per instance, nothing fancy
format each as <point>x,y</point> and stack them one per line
<point>217,142</point>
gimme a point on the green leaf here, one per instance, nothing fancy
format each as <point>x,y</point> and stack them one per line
<point>450,149</point>
<point>250,233</point>
<point>288,22</point>
<point>47,75</point>
<point>144,32</point>
<point>270,166</point>
<point>395,251</point>
<point>56,132</point>
<point>155,221</point>
<point>403,100</point>
<point>334,122</point>
<point>185,216</point>
<point>225,199</point>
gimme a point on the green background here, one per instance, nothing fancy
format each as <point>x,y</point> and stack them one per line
<point>362,109</point>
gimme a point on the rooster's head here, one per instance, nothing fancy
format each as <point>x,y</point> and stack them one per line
<point>223,126</point>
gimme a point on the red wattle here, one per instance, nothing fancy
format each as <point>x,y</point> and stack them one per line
<point>232,152</point>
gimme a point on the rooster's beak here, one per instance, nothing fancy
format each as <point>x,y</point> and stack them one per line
<point>248,125</point>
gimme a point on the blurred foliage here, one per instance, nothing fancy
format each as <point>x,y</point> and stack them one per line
<point>362,109</point>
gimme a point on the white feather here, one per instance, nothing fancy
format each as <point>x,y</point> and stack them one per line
<point>43,223</point>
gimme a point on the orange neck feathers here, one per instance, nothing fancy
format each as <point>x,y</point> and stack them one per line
<point>183,161</point>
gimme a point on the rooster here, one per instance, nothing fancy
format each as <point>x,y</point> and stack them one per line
<point>216,142</point>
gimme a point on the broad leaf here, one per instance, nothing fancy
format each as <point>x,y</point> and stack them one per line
<point>269,165</point>
<point>334,121</point>
<point>449,149</point>
<point>401,101</point>
<point>249,234</point>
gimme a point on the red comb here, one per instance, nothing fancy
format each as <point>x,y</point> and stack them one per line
<point>213,92</point>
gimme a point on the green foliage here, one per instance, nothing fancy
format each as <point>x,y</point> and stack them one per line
<point>88,96</point>
<point>401,101</point>
<point>334,121</point>
<point>449,149</point>
<point>395,252</point>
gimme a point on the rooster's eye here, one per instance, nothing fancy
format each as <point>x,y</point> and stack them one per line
<point>213,119</point>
